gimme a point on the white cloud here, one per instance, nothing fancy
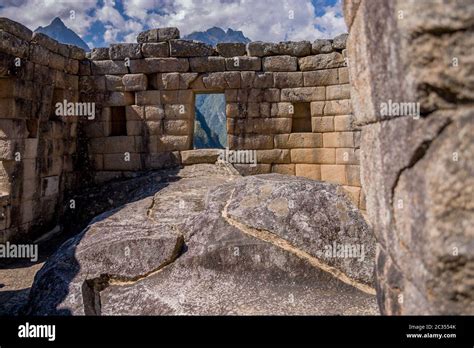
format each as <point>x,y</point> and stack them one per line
<point>266,20</point>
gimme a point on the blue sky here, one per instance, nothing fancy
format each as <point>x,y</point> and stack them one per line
<point>103,22</point>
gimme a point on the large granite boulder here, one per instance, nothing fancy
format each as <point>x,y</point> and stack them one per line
<point>417,170</point>
<point>214,242</point>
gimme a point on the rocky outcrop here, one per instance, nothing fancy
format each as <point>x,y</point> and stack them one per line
<point>216,243</point>
<point>417,167</point>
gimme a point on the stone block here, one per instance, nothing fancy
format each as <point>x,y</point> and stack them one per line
<point>282,109</point>
<point>108,67</point>
<point>154,112</point>
<point>316,156</point>
<point>154,127</point>
<point>147,97</point>
<point>179,111</point>
<point>158,35</point>
<point>243,63</point>
<point>288,79</point>
<point>200,156</point>
<point>134,127</point>
<point>263,80</point>
<point>280,63</point>
<point>337,92</point>
<point>321,61</point>
<point>343,123</point>
<point>338,139</point>
<point>337,107</point>
<point>100,53</point>
<point>271,95</point>
<point>214,80</point>
<point>322,124</point>
<point>156,65</point>
<point>15,28</point>
<point>339,42</point>
<point>346,156</point>
<point>321,77</point>
<point>295,48</point>
<point>298,140</point>
<point>353,175</point>
<point>273,156</point>
<point>232,79</point>
<point>118,144</point>
<point>114,83</point>
<point>155,50</point>
<point>123,51</point>
<point>122,162</point>
<point>250,142</point>
<point>168,80</point>
<point>311,171</point>
<point>169,97</point>
<point>177,127</point>
<point>134,113</point>
<point>262,49</point>
<point>303,94</point>
<point>343,74</point>
<point>321,46</point>
<point>186,48</point>
<point>207,64</point>
<point>186,79</point>
<point>120,99</point>
<point>174,143</point>
<point>317,108</point>
<point>285,169</point>
<point>231,49</point>
<point>333,173</point>
<point>135,82</point>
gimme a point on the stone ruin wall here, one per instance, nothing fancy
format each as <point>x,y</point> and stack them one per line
<point>290,102</point>
<point>417,172</point>
<point>38,150</point>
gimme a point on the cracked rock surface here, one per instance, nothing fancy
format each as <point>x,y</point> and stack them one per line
<point>210,242</point>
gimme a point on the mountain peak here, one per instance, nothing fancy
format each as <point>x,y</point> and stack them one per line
<point>57,21</point>
<point>58,31</point>
<point>215,35</point>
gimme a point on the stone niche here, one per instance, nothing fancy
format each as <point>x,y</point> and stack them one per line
<point>287,101</point>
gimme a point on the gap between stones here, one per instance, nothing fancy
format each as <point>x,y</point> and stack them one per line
<point>91,288</point>
<point>281,243</point>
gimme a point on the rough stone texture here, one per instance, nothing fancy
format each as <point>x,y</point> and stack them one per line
<point>123,51</point>
<point>321,46</point>
<point>158,35</point>
<point>185,48</point>
<point>280,63</point>
<point>321,61</point>
<point>231,49</point>
<point>155,50</point>
<point>417,172</point>
<point>339,42</point>
<point>246,236</point>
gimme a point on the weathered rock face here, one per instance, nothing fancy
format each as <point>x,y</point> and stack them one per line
<point>417,172</point>
<point>216,243</point>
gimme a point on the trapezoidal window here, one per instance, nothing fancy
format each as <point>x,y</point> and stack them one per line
<point>301,121</point>
<point>118,121</point>
<point>210,122</point>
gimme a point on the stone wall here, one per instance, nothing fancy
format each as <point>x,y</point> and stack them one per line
<point>38,150</point>
<point>288,101</point>
<point>417,170</point>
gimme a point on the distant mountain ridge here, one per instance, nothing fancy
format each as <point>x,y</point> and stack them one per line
<point>58,31</point>
<point>216,35</point>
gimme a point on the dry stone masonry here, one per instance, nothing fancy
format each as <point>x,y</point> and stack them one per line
<point>288,101</point>
<point>417,170</point>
